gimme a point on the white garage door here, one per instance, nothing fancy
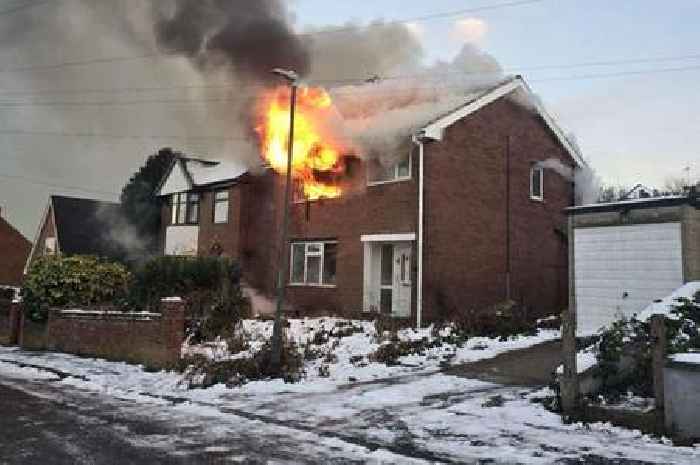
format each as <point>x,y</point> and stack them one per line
<point>621,269</point>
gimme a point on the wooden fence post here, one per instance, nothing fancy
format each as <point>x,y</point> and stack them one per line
<point>569,385</point>
<point>658,338</point>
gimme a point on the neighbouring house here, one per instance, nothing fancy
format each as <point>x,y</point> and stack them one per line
<point>14,249</point>
<point>74,226</point>
<point>468,216</point>
<point>629,253</point>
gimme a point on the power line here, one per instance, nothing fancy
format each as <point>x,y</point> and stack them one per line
<point>514,70</point>
<point>177,52</point>
<point>365,91</point>
<point>117,136</point>
<point>55,186</point>
<point>24,6</point>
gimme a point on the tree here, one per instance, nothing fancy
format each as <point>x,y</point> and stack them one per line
<point>140,207</point>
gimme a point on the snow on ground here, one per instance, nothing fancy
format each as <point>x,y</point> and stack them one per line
<point>409,410</point>
<point>687,358</point>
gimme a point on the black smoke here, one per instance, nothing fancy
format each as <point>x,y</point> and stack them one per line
<point>250,36</point>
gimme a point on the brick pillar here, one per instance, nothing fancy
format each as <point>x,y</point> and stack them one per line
<point>172,327</point>
<point>15,321</point>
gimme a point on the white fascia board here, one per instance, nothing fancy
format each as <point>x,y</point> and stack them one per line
<point>37,234</point>
<point>388,237</point>
<point>435,130</point>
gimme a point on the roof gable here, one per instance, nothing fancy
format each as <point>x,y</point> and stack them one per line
<point>435,129</point>
<point>176,180</point>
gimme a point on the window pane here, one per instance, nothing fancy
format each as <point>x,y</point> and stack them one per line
<point>385,301</point>
<point>221,207</point>
<point>536,182</point>
<point>313,270</point>
<point>193,213</point>
<point>181,208</point>
<point>297,263</point>
<point>313,249</point>
<point>387,277</point>
<point>404,168</point>
<point>329,255</point>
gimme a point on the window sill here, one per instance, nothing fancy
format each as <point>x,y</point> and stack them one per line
<point>537,199</point>
<point>392,181</point>
<point>320,286</point>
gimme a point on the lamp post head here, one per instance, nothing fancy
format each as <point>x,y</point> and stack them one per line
<point>287,74</point>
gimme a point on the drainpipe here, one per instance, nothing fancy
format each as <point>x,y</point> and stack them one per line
<point>419,290</point>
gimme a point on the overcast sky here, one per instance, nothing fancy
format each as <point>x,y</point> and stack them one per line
<point>632,127</point>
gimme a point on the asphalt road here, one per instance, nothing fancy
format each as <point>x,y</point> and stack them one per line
<point>42,423</point>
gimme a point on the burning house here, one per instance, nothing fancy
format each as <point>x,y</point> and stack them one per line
<point>460,213</point>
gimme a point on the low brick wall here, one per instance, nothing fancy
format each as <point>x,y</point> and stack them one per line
<point>151,339</point>
<point>9,322</point>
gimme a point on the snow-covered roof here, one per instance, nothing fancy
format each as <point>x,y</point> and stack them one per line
<point>188,173</point>
<point>671,199</point>
<point>434,129</point>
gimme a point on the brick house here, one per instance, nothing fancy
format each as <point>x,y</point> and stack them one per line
<point>467,218</point>
<point>74,226</point>
<point>14,249</point>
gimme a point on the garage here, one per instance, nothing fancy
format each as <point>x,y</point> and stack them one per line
<point>628,254</point>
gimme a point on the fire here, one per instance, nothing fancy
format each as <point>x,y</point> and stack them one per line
<point>317,155</point>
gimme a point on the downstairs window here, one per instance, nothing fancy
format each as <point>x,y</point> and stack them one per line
<point>313,263</point>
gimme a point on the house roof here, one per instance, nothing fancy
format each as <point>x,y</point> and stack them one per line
<point>649,202</point>
<point>435,128</point>
<point>83,225</point>
<point>14,248</point>
<point>194,172</point>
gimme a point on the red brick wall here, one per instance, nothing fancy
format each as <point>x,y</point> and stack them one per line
<point>14,250</point>
<point>153,342</point>
<point>227,236</point>
<point>387,208</point>
<point>465,201</point>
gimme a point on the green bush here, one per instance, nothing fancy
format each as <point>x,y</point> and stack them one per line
<point>198,279</point>
<point>632,338</point>
<point>55,281</point>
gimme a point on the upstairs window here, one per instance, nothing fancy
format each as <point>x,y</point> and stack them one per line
<point>313,263</point>
<point>399,171</point>
<point>537,183</point>
<point>185,208</point>
<point>50,246</point>
<point>221,207</point>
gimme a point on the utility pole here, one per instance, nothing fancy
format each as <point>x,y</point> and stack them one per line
<point>276,359</point>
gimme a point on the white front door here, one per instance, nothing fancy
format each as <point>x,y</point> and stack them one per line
<point>388,282</point>
<point>401,305</point>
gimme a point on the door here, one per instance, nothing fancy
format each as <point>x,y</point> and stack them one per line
<point>619,270</point>
<point>401,305</point>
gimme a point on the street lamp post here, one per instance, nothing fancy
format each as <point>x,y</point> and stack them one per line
<point>276,358</point>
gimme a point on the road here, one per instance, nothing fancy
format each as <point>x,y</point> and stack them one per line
<point>43,424</point>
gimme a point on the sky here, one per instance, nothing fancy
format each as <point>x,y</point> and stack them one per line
<point>634,127</point>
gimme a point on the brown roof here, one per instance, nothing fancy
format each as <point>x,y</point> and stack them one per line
<point>14,249</point>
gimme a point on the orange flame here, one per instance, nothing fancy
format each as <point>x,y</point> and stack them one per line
<point>316,152</point>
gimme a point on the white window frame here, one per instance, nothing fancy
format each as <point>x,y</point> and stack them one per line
<point>539,197</point>
<point>396,177</point>
<point>216,201</point>
<point>177,203</point>
<point>308,244</point>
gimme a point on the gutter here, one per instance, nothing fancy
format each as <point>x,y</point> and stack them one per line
<point>417,139</point>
